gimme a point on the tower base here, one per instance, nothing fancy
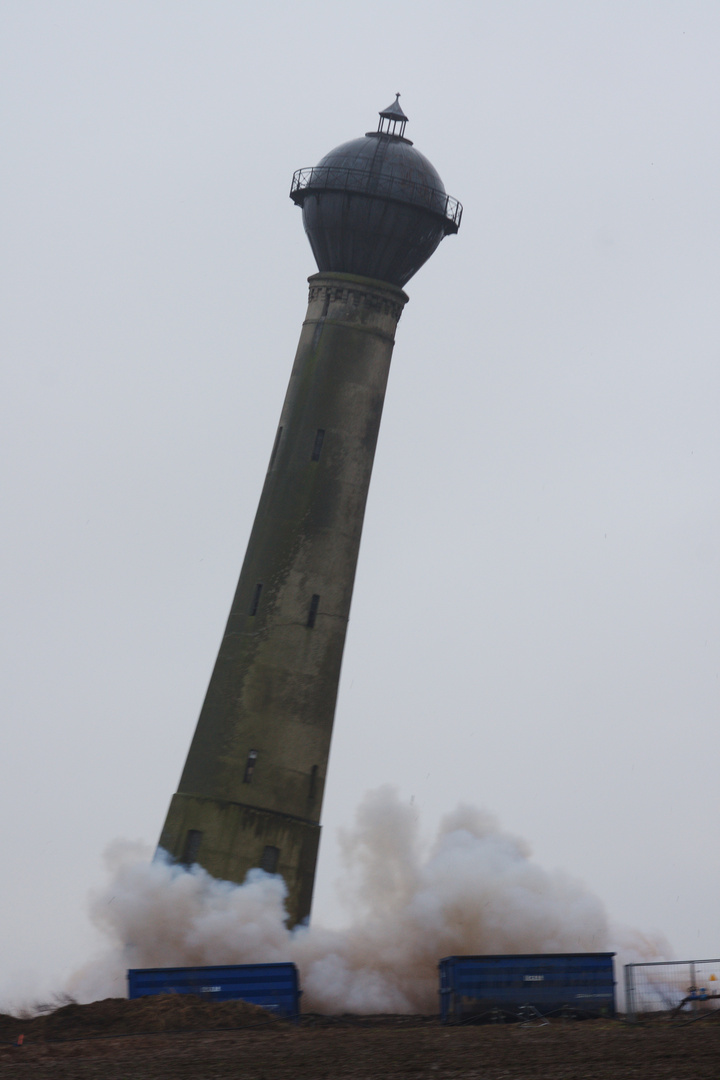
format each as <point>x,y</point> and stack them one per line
<point>229,838</point>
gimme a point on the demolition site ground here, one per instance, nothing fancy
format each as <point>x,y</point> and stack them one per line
<point>177,1036</point>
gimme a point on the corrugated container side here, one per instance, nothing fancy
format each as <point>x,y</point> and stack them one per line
<point>273,986</point>
<point>475,987</point>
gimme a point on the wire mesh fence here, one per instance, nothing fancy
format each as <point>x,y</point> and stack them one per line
<point>675,988</point>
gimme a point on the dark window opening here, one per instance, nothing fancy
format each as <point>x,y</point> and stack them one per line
<point>256,599</point>
<point>250,767</point>
<point>319,438</point>
<point>269,860</point>
<point>275,446</point>
<point>192,847</point>
<point>312,791</point>
<point>312,613</point>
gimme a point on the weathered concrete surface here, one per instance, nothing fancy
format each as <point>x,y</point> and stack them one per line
<point>274,686</point>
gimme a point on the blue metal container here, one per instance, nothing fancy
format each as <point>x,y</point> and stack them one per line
<point>498,987</point>
<point>274,986</point>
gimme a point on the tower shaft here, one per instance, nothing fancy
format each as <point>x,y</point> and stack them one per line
<point>252,788</point>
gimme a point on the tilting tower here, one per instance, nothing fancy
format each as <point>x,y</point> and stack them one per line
<point>374,210</point>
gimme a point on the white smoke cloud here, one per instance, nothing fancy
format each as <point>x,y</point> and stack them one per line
<point>476,889</point>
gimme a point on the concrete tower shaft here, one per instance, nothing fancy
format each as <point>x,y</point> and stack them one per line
<point>252,788</point>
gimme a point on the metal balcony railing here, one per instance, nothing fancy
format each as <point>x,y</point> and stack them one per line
<point>378,185</point>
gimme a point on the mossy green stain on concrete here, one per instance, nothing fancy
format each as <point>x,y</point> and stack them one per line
<point>274,686</point>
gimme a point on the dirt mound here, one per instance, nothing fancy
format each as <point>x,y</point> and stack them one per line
<point>118,1016</point>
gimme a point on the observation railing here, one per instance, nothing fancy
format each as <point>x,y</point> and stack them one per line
<point>383,185</point>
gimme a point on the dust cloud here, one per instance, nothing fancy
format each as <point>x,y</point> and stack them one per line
<point>475,889</point>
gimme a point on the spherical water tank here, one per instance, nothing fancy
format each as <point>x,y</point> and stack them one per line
<point>375,206</point>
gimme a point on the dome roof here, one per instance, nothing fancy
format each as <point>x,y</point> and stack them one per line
<point>375,206</point>
<point>385,166</point>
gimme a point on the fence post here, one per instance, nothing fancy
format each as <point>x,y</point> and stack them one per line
<point>629,990</point>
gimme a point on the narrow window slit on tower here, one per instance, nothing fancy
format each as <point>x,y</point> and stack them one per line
<point>269,860</point>
<point>256,598</point>
<point>192,847</point>
<point>312,613</point>
<point>313,784</point>
<point>275,446</point>
<point>319,437</point>
<point>250,767</point>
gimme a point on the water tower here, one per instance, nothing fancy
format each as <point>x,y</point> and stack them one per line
<point>374,210</point>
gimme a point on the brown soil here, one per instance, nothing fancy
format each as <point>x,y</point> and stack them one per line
<point>118,1016</point>
<point>111,1040</point>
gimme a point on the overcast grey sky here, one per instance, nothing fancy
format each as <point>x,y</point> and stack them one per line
<point>535,624</point>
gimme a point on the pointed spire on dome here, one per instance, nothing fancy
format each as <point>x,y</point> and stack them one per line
<point>392,118</point>
<point>394,111</point>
